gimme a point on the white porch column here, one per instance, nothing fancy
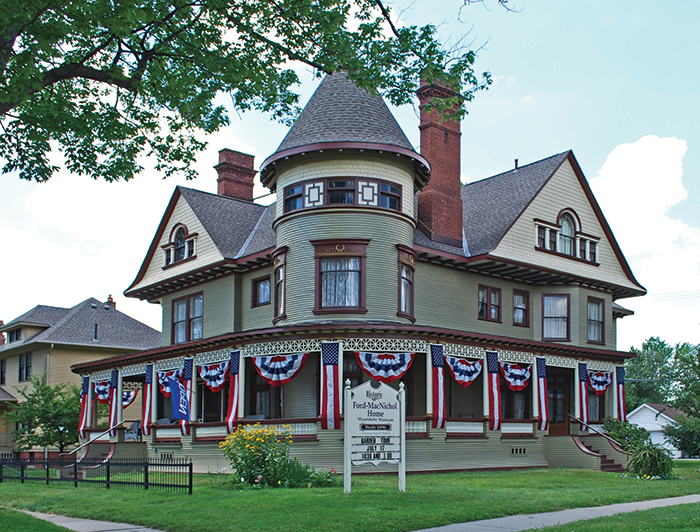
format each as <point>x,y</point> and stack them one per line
<point>90,399</point>
<point>429,383</point>
<point>614,413</point>
<point>119,398</point>
<point>154,395</point>
<point>341,367</point>
<point>485,381</point>
<point>194,405</point>
<point>577,394</point>
<point>241,386</point>
<point>535,389</point>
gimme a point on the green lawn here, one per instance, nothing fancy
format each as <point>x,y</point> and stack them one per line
<point>11,520</point>
<point>374,505</point>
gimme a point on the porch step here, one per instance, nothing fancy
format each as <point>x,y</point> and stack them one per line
<point>606,464</point>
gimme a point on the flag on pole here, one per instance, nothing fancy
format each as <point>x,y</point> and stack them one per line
<point>583,394</point>
<point>187,374</point>
<point>180,403</point>
<point>84,400</point>
<point>494,387</point>
<point>621,405</point>
<point>147,409</point>
<point>232,412</point>
<point>542,393</point>
<point>330,385</point>
<point>438,360</point>
<point>114,402</point>
<point>163,380</point>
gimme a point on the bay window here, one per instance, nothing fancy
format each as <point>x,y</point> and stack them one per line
<point>340,275</point>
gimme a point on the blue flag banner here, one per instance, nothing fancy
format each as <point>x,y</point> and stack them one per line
<point>181,404</point>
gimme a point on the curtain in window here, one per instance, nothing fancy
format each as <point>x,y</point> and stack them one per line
<point>556,317</point>
<point>340,282</point>
<point>406,289</point>
<point>566,238</point>
<point>180,321</point>
<point>595,321</point>
<point>519,308</point>
<point>196,313</point>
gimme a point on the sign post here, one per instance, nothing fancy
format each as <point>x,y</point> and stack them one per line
<point>375,415</point>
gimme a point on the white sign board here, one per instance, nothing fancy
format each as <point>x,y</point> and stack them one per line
<point>374,427</point>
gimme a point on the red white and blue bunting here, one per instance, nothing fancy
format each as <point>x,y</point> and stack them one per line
<point>128,397</point>
<point>385,367</point>
<point>214,376</point>
<point>102,392</point>
<point>279,369</point>
<point>599,381</point>
<point>516,377</point>
<point>438,362</point>
<point>463,371</point>
<point>163,380</point>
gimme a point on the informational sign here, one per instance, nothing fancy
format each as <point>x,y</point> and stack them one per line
<point>374,417</point>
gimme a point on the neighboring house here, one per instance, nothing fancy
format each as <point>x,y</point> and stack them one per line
<point>654,417</point>
<point>48,340</point>
<point>381,249</point>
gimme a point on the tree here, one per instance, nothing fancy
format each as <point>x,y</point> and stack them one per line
<point>47,416</point>
<point>684,434</point>
<point>649,377</point>
<point>107,81</point>
<point>687,379</point>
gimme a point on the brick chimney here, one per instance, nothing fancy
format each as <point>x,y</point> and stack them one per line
<point>440,203</point>
<point>111,303</point>
<point>236,172</point>
<point>2,336</point>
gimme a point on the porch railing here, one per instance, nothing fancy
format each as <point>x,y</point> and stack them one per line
<point>615,444</point>
<point>6,439</point>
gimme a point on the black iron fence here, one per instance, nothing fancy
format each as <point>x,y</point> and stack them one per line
<point>115,473</point>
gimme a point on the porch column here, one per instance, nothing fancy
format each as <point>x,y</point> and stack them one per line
<point>429,384</point>
<point>577,395</point>
<point>154,395</point>
<point>614,413</point>
<point>485,381</point>
<point>535,390</point>
<point>120,397</point>
<point>341,366</point>
<point>195,396</point>
<point>90,399</point>
<point>241,386</point>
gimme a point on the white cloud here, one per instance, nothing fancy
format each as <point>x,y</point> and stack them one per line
<point>636,187</point>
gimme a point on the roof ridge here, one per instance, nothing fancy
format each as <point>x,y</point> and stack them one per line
<point>252,233</point>
<point>222,196</point>
<point>516,169</point>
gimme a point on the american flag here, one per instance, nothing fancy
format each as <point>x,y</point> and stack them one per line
<point>187,382</point>
<point>84,401</point>
<point>114,403</point>
<point>330,385</point>
<point>494,386</point>
<point>599,381</point>
<point>438,360</point>
<point>542,393</point>
<point>147,401</point>
<point>583,393</point>
<point>233,392</point>
<point>621,404</point>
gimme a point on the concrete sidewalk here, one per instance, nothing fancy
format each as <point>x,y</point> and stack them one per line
<point>501,524</point>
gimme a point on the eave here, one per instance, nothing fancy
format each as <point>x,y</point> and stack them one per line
<point>341,330</point>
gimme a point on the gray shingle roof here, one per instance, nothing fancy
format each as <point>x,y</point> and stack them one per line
<point>341,112</point>
<point>40,315</point>
<point>6,397</point>
<point>77,327</point>
<point>230,222</point>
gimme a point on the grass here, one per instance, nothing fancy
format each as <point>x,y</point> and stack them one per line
<point>19,522</point>
<point>685,517</point>
<point>430,500</point>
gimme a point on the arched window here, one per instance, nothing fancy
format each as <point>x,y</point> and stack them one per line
<point>180,244</point>
<point>566,237</point>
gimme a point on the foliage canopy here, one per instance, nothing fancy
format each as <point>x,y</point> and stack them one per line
<point>107,81</point>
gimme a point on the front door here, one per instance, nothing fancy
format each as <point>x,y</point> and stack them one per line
<point>559,391</point>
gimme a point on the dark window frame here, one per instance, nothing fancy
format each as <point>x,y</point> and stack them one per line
<point>602,321</point>
<point>189,319</point>
<point>187,247</point>
<point>342,248</point>
<point>3,371</point>
<point>291,195</point>
<point>279,261</point>
<point>508,401</point>
<point>407,260</point>
<point>489,304</point>
<point>254,284</point>
<point>25,367</point>
<point>381,193</point>
<point>526,322</point>
<point>601,407</point>
<point>15,335</point>
<point>568,318</point>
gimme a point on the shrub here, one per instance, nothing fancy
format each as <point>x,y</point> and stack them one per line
<point>625,433</point>
<point>650,460</point>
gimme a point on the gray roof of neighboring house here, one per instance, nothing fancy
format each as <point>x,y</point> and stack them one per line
<point>237,227</point>
<point>39,315</point>
<point>77,327</point>
<point>339,111</point>
<point>666,410</point>
<point>6,397</point>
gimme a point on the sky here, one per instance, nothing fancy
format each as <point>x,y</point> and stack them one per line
<point>616,82</point>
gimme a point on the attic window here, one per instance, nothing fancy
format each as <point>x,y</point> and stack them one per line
<point>565,237</point>
<point>341,191</point>
<point>15,335</point>
<point>181,247</point>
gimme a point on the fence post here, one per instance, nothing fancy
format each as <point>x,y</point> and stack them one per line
<point>48,471</point>
<point>190,477</point>
<point>107,465</point>
<point>75,471</point>
<point>21,472</point>
<point>145,474</point>
<point>0,472</point>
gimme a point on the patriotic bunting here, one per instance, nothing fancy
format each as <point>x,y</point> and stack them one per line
<point>599,381</point>
<point>163,380</point>
<point>583,393</point>
<point>128,397</point>
<point>214,376</point>
<point>542,393</point>
<point>494,386</point>
<point>621,404</point>
<point>84,401</point>
<point>147,408</point>
<point>184,402</point>
<point>438,360</point>
<point>330,385</point>
<point>102,392</point>
<point>516,377</point>
<point>114,404</point>
<point>279,369</point>
<point>386,367</point>
<point>463,371</point>
<point>232,412</point>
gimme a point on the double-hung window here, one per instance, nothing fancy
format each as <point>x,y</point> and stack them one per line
<point>188,318</point>
<point>489,303</point>
<point>407,260</point>
<point>260,291</point>
<point>340,275</point>
<point>3,369</point>
<point>596,322</point>
<point>555,317</point>
<point>521,308</point>
<point>25,367</point>
<point>279,260</point>
<point>15,335</point>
